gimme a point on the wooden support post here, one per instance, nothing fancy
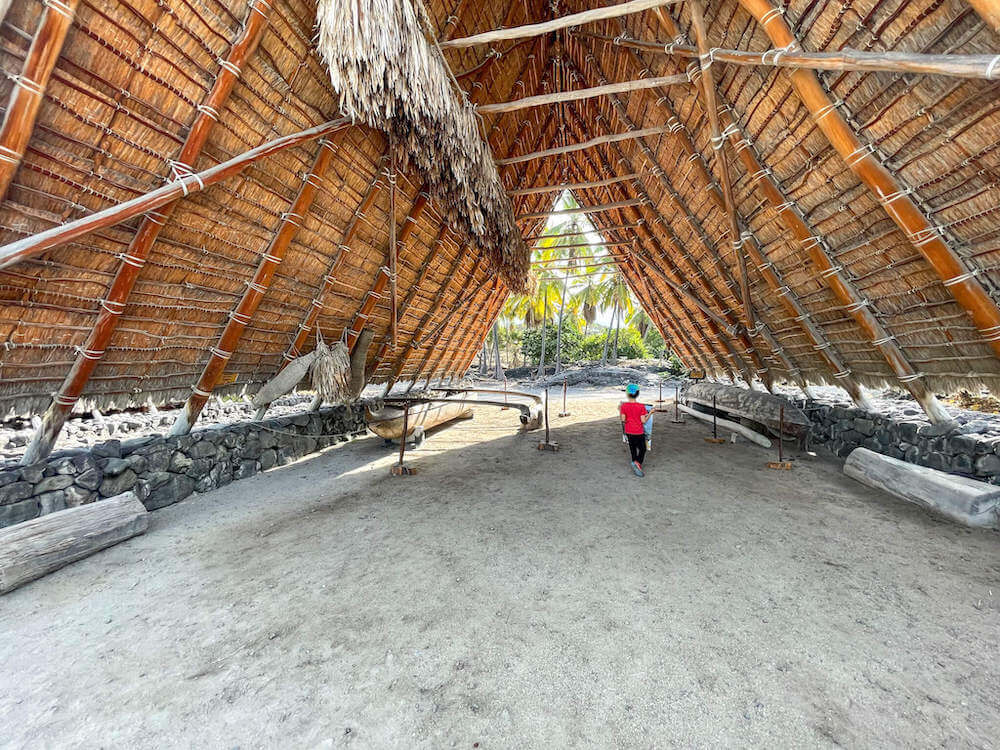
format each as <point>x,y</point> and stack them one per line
<point>401,469</point>
<point>539,29</point>
<point>393,245</point>
<point>246,308</point>
<point>30,85</point>
<point>719,149</point>
<point>927,238</point>
<point>134,258</point>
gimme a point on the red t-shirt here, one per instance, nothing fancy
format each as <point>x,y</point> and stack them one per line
<point>633,412</point>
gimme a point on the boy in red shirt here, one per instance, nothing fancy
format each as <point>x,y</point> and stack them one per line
<point>634,416</point>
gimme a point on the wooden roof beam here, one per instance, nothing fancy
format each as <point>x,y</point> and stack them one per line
<point>823,346</point>
<point>582,209</point>
<point>989,11</point>
<point>846,59</point>
<point>564,22</point>
<point>135,256</point>
<point>895,198</point>
<point>570,186</point>
<point>543,100</point>
<point>30,85</point>
<point>600,141</point>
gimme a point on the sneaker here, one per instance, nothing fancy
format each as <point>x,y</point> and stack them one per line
<point>637,468</point>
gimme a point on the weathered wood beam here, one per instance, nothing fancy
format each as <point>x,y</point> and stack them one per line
<point>30,85</point>
<point>613,227</point>
<point>246,308</point>
<point>582,209</point>
<point>543,100</point>
<point>721,158</point>
<point>894,197</point>
<point>187,184</point>
<point>135,256</point>
<point>571,186</point>
<point>564,22</point>
<point>888,61</point>
<point>599,141</point>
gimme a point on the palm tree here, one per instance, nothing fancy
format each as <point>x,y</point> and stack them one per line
<point>616,294</point>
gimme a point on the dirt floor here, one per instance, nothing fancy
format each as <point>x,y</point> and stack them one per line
<point>514,598</point>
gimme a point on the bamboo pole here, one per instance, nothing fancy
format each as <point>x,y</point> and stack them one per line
<point>823,347</point>
<point>191,182</point>
<point>721,159</point>
<point>30,85</point>
<point>243,313</point>
<point>893,196</point>
<point>393,246</point>
<point>134,258</point>
<point>582,209</point>
<point>613,138</point>
<point>542,100</point>
<point>845,59</point>
<point>538,29</point>
<point>571,186</point>
<point>612,228</point>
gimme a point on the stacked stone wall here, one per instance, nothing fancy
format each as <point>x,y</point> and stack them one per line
<point>960,449</point>
<point>163,470</point>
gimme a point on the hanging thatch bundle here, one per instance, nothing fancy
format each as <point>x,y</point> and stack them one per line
<point>331,372</point>
<point>390,77</point>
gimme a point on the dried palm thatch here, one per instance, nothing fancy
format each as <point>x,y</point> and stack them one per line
<point>331,372</point>
<point>389,76</point>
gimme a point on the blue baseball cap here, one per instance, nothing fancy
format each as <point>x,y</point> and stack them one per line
<point>632,389</point>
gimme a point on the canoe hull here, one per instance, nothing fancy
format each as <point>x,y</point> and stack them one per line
<point>388,421</point>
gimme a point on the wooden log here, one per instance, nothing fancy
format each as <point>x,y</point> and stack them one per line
<point>958,66</point>
<point>37,547</point>
<point>555,97</point>
<point>599,141</point>
<point>573,185</point>
<point>584,209</point>
<point>959,499</point>
<point>573,19</point>
<point>755,406</point>
<point>29,247</point>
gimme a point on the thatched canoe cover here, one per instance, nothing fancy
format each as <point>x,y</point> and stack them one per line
<point>132,77</point>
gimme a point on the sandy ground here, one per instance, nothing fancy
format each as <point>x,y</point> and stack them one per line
<point>514,598</point>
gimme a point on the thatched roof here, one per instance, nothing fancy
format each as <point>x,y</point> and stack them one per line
<point>133,78</point>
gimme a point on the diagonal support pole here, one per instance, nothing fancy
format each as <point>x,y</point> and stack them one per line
<point>134,258</point>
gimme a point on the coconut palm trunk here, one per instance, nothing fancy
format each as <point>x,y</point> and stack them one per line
<point>607,336</point>
<point>497,367</point>
<point>562,311</point>
<point>618,325</point>
<point>541,354</point>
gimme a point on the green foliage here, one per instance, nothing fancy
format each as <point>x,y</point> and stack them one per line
<point>592,347</point>
<point>630,344</point>
<point>655,345</point>
<point>674,366</point>
<point>531,345</point>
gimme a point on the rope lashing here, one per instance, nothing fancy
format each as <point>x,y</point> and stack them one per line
<point>9,155</point>
<point>262,7</point>
<point>842,374</point>
<point>910,378</point>
<point>210,112</point>
<point>182,172</point>
<point>231,67</point>
<point>27,84</point>
<point>860,153</point>
<point>61,8</point>
<point>826,110</point>
<point>962,277</point>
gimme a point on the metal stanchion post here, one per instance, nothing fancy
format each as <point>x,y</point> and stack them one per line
<point>715,426</point>
<point>547,445</point>
<point>565,411</point>
<point>781,463</point>
<point>505,407</point>
<point>400,470</point>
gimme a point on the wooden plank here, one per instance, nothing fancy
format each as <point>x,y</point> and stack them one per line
<point>37,547</point>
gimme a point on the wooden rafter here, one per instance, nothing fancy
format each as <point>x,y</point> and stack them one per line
<point>582,209</point>
<point>134,258</point>
<point>888,61</point>
<point>894,197</point>
<point>823,346</point>
<point>543,100</point>
<point>564,22</point>
<point>30,85</point>
<point>599,141</point>
<point>246,308</point>
<point>570,186</point>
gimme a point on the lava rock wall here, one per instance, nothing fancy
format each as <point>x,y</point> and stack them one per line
<point>164,470</point>
<point>958,449</point>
